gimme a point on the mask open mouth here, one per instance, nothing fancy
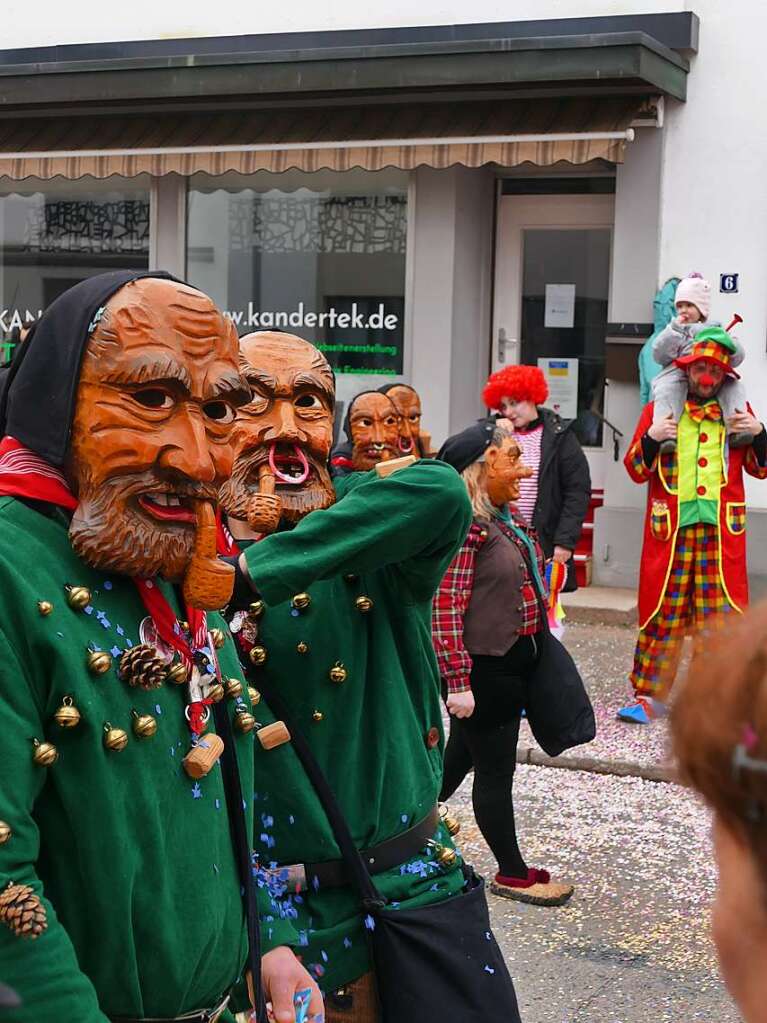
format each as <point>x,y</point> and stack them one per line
<point>168,507</point>
<point>289,464</point>
<point>406,445</point>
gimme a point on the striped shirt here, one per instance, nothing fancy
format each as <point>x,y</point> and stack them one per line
<point>530,444</point>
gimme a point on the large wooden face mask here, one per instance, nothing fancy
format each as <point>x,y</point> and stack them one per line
<point>151,444</point>
<point>285,432</point>
<point>408,403</point>
<point>504,470</point>
<point>375,430</point>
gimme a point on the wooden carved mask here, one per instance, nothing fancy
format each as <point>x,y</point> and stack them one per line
<point>374,425</point>
<point>407,402</point>
<point>284,434</point>
<point>151,438</point>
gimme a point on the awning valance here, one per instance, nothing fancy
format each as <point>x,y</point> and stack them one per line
<point>506,132</point>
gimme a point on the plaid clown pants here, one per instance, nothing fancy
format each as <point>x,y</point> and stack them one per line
<point>694,603</point>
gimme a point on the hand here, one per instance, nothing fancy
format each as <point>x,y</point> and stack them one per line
<point>283,977</point>
<point>744,422</point>
<point>461,705</point>
<point>666,429</point>
<point>561,555</point>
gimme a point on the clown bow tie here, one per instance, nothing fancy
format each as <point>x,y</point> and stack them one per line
<point>711,410</point>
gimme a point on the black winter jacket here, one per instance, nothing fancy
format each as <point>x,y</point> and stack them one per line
<point>564,485</point>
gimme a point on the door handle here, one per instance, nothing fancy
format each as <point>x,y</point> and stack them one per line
<point>508,348</point>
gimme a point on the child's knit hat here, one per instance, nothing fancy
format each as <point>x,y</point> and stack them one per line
<point>694,288</point>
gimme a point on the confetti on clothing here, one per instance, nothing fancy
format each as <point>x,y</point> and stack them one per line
<point>695,600</point>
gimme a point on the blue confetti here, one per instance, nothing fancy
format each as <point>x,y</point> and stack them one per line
<point>370,923</point>
<point>129,642</point>
<point>294,612</point>
<point>291,819</point>
<point>119,630</point>
<point>215,867</point>
<point>324,956</point>
<point>218,804</point>
<point>173,751</point>
<point>316,883</point>
<point>105,623</point>
<point>347,942</point>
<point>115,651</point>
<point>88,609</point>
<point>267,820</point>
<point>303,939</point>
<point>107,584</point>
<point>196,790</point>
<point>488,936</point>
<point>157,708</point>
<point>489,969</point>
<point>60,635</point>
<point>404,818</point>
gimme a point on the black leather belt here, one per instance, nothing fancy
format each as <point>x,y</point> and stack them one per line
<point>333,874</point>
<point>201,1016</point>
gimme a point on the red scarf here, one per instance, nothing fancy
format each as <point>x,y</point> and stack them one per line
<point>25,474</point>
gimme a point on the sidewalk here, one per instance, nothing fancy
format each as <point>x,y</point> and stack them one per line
<point>603,654</point>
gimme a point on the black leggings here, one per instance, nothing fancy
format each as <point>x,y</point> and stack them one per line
<point>487,741</point>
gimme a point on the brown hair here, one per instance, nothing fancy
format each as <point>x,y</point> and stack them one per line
<point>719,727</point>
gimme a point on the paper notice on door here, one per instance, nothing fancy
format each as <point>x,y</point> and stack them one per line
<point>560,305</point>
<point>562,378</point>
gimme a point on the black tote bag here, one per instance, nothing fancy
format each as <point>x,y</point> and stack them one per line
<point>434,964</point>
<point>556,702</point>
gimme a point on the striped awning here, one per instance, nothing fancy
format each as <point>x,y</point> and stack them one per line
<point>506,132</point>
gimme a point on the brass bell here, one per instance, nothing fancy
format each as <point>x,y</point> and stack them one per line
<point>45,753</point>
<point>144,725</point>
<point>78,597</point>
<point>99,661</point>
<point>178,673</point>
<point>244,722</point>
<point>317,716</point>
<point>257,608</point>
<point>363,604</point>
<point>233,688</point>
<point>258,656</point>
<point>452,824</point>
<point>303,648</point>
<point>67,715</point>
<point>255,696</point>
<point>44,607</point>
<point>218,638</point>
<point>115,739</point>
<point>301,601</point>
<point>5,832</point>
<point>216,692</point>
<point>446,856</point>
<point>338,673</point>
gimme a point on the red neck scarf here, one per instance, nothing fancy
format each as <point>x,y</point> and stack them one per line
<point>25,474</point>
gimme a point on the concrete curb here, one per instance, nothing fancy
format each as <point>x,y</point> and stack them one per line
<point>596,765</point>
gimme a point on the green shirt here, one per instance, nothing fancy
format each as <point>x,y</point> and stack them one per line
<point>390,540</point>
<point>134,858</point>
<point>701,470</point>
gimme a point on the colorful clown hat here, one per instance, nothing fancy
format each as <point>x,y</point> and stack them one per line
<point>714,345</point>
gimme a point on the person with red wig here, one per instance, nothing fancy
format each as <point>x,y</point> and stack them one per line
<point>555,498</point>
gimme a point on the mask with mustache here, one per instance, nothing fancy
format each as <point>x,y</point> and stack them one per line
<point>150,445</point>
<point>283,435</point>
<point>374,430</point>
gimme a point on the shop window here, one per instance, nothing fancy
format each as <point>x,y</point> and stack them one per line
<point>54,234</point>
<point>318,255</point>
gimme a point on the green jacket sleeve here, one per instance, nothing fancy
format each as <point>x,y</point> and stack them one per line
<point>414,520</point>
<point>44,971</point>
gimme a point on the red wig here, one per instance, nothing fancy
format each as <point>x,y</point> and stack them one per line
<point>520,383</point>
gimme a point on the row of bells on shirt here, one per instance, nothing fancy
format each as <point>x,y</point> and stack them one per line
<point>301,602</point>
<point>143,726</point>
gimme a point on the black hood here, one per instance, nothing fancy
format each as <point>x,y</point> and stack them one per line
<point>38,400</point>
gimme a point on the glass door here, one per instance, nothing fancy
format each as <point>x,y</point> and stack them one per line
<point>552,289</point>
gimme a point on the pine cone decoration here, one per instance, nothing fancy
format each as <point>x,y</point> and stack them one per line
<point>143,666</point>
<point>22,911</point>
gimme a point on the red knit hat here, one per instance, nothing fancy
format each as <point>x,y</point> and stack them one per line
<point>520,383</point>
